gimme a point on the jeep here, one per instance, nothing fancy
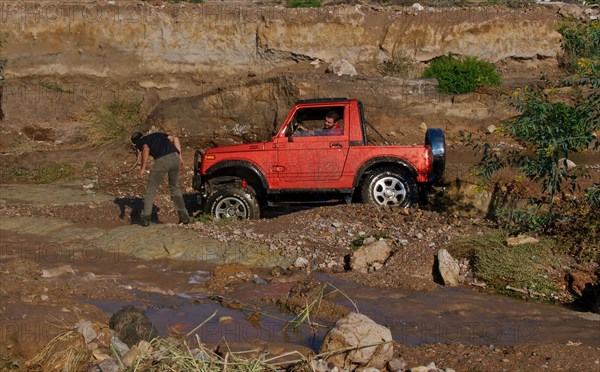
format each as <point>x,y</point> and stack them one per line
<point>303,163</point>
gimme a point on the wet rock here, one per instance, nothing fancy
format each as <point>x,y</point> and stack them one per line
<point>357,330</point>
<point>342,67</point>
<point>521,239</point>
<point>259,281</point>
<point>448,268</point>
<point>57,271</point>
<point>371,256</point>
<point>132,325</point>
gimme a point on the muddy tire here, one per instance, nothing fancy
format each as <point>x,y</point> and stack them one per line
<point>232,203</point>
<point>391,187</point>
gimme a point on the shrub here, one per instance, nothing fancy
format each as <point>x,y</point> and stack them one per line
<point>116,119</point>
<point>304,4</point>
<point>461,75</point>
<point>581,46</point>
<point>400,65</point>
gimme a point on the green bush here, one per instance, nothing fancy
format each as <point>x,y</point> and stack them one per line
<point>304,4</point>
<point>461,75</point>
<point>581,46</point>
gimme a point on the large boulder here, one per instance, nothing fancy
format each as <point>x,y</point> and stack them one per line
<point>369,343</point>
<point>370,257</point>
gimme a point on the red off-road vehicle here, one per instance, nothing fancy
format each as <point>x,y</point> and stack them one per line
<point>313,166</point>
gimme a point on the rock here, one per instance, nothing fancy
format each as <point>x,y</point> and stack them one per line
<point>130,357</point>
<point>87,331</point>
<point>564,162</point>
<point>368,256</point>
<point>419,369</point>
<point>132,326</point>
<point>259,281</point>
<point>396,365</point>
<point>448,268</point>
<point>342,67</point>
<point>301,262</point>
<point>108,365</point>
<point>491,129</point>
<point>119,346</point>
<point>418,6</point>
<point>144,346</point>
<point>356,330</point>
<point>587,287</point>
<point>57,271</point>
<point>432,368</point>
<point>423,127</point>
<point>579,280</point>
<point>521,239</point>
<point>99,355</point>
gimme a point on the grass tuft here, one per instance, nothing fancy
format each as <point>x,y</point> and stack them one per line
<point>116,119</point>
<point>399,66</point>
<point>44,174</point>
<point>304,4</point>
<point>533,267</point>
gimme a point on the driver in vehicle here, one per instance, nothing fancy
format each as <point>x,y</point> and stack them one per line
<point>331,127</point>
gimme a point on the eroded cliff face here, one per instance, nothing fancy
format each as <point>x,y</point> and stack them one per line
<point>237,63</point>
<point>136,38</point>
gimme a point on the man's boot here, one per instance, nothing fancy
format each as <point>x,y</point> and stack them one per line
<point>145,221</point>
<point>184,218</point>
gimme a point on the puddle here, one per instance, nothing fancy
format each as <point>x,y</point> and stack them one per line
<point>212,322</point>
<point>467,316</point>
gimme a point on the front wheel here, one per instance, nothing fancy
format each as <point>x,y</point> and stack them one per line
<point>390,187</point>
<point>232,203</point>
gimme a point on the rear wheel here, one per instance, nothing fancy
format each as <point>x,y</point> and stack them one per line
<point>389,186</point>
<point>232,203</point>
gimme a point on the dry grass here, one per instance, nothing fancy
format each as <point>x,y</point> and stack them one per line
<point>65,352</point>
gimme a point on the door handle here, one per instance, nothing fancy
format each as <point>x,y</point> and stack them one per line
<point>278,168</point>
<point>336,144</point>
